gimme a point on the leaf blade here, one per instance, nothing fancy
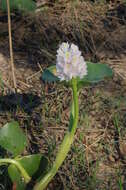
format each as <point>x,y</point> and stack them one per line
<point>23,5</point>
<point>12,138</point>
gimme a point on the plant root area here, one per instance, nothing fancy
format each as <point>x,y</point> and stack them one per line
<point>97,159</point>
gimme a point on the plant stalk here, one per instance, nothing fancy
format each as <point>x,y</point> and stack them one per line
<point>11,47</point>
<point>23,172</point>
<point>66,144</point>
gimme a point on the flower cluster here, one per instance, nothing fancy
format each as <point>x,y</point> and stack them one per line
<point>70,63</point>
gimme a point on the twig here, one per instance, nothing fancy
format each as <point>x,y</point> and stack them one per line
<point>8,86</point>
<point>10,44</point>
<point>34,75</point>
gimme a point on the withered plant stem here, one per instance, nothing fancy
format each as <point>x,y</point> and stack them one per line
<point>11,47</point>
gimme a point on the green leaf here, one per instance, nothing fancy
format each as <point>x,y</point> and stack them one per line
<point>12,138</point>
<point>23,5</point>
<point>96,73</point>
<point>49,75</point>
<point>33,164</point>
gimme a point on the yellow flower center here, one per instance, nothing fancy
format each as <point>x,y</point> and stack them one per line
<point>74,59</point>
<point>67,55</point>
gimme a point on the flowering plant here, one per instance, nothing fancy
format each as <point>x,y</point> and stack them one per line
<point>72,69</point>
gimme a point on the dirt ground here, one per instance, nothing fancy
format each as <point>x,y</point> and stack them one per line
<point>97,159</point>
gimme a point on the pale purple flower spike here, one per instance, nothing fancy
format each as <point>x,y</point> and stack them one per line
<point>70,63</point>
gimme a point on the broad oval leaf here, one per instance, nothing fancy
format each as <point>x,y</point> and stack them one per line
<point>33,164</point>
<point>12,138</point>
<point>23,5</point>
<point>96,73</point>
<point>50,75</point>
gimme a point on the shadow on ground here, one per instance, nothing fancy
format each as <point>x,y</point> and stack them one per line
<point>27,102</point>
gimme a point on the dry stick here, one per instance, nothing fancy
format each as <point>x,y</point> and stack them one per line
<point>11,48</point>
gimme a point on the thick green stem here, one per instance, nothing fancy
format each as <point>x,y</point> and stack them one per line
<point>66,144</point>
<point>19,167</point>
